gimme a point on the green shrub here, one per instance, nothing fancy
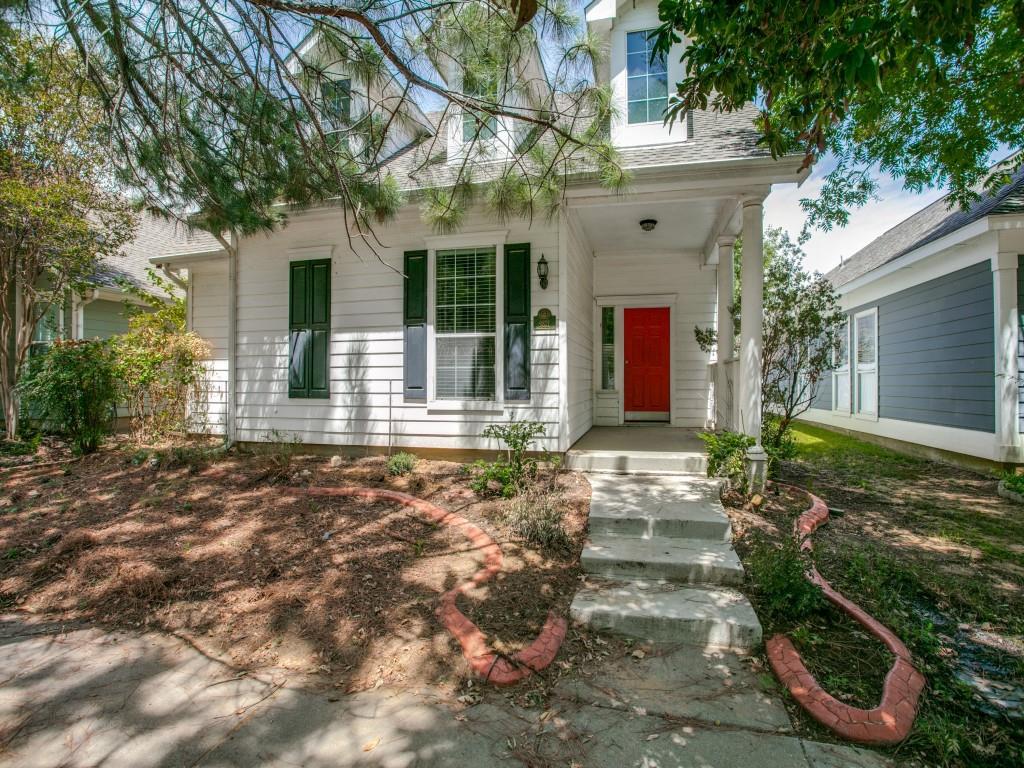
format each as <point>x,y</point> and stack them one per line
<point>506,477</point>
<point>778,573</point>
<point>1014,482</point>
<point>727,454</point>
<point>72,390</point>
<point>160,366</point>
<point>401,463</point>
<point>777,441</point>
<point>537,519</point>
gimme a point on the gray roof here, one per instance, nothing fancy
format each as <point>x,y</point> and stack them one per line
<point>939,219</point>
<point>715,137</point>
<point>154,236</point>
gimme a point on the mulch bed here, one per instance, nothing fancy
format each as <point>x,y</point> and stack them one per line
<point>213,547</point>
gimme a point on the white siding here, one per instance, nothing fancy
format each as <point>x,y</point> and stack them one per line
<point>366,406</point>
<point>579,315</point>
<point>636,274</point>
<point>208,316</point>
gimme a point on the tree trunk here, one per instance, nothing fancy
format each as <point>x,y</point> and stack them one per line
<point>10,405</point>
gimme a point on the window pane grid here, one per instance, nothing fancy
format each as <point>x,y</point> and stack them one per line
<point>646,79</point>
<point>465,323</point>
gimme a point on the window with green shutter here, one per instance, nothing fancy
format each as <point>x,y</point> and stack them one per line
<point>309,328</point>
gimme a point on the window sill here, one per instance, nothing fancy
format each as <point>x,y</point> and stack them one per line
<point>464,406</point>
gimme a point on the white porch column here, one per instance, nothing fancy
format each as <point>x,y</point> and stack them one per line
<point>751,311</point>
<point>1004,279</point>
<point>725,406</point>
<point>725,329</point>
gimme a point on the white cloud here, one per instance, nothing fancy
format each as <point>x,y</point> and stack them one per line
<point>824,249</point>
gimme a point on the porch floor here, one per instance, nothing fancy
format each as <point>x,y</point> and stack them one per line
<point>658,449</point>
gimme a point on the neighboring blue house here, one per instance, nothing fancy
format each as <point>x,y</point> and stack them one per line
<point>934,348</point>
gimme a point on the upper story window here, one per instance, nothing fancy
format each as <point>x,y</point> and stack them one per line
<point>474,122</point>
<point>646,79</point>
<point>336,96</point>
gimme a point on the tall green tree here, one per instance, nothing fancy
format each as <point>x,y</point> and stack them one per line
<point>925,91</point>
<point>216,107</point>
<point>801,327</point>
<point>59,213</point>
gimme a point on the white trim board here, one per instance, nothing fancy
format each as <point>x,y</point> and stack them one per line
<point>967,441</point>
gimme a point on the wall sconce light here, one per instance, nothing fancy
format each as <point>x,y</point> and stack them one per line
<point>542,272</point>
<point>648,225</point>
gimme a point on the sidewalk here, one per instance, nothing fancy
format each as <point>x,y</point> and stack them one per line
<point>86,697</point>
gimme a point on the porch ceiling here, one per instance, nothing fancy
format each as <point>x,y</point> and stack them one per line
<point>682,225</point>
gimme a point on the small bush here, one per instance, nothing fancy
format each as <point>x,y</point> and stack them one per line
<point>727,455</point>
<point>26,447</point>
<point>401,463</point>
<point>1014,482</point>
<point>537,519</point>
<point>779,575</point>
<point>778,443</point>
<point>72,390</point>
<point>507,477</point>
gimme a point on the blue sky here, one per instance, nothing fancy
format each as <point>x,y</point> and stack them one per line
<point>824,249</point>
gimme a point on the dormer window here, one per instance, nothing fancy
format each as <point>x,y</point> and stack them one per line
<point>646,79</point>
<point>474,123</point>
<point>336,96</point>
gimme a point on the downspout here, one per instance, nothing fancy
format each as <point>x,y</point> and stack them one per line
<point>78,314</point>
<point>231,245</point>
<point>170,275</point>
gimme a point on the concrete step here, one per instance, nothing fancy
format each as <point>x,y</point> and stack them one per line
<point>692,561</point>
<point>648,507</point>
<point>675,520</point>
<point>706,617</point>
<point>636,462</point>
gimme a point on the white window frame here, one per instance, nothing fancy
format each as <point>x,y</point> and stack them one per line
<point>857,369</point>
<point>843,370</point>
<point>668,91</point>
<point>495,239</point>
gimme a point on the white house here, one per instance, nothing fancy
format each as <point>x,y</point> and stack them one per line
<point>456,332</point>
<point>933,348</point>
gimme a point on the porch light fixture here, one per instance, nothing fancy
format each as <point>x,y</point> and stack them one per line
<point>648,225</point>
<point>542,272</point>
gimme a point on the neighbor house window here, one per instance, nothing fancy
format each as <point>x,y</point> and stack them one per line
<point>608,348</point>
<point>865,346</point>
<point>48,328</point>
<point>481,123</point>
<point>841,374</point>
<point>465,323</point>
<point>309,328</point>
<point>646,79</point>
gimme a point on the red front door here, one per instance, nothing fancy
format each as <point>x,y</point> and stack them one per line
<point>646,334</point>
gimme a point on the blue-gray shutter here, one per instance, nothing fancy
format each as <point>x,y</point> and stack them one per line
<point>415,321</point>
<point>517,321</point>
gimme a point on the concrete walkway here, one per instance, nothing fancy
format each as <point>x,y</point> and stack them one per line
<point>661,565</point>
<point>86,697</point>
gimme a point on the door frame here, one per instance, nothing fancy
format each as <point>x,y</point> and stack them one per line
<point>621,302</point>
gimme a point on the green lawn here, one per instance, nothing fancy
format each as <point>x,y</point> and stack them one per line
<point>935,554</point>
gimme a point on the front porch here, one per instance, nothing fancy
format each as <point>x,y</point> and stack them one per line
<point>660,266</point>
<point>638,449</point>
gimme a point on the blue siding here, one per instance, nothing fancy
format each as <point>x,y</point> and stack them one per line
<point>936,345</point>
<point>823,393</point>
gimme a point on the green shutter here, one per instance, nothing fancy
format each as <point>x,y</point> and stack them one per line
<point>414,317</point>
<point>517,322</point>
<point>309,328</point>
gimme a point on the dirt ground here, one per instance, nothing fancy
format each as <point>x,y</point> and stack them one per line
<point>214,548</point>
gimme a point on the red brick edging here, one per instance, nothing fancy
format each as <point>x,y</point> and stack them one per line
<point>891,720</point>
<point>487,664</point>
